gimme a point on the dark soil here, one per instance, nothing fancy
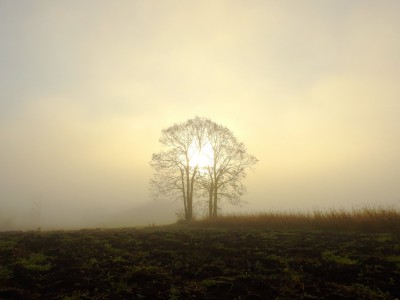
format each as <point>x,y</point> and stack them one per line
<point>193,263</point>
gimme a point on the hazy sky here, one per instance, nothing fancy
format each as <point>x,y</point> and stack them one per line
<point>311,87</point>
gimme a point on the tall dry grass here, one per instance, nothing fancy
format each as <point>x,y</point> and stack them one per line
<point>365,219</point>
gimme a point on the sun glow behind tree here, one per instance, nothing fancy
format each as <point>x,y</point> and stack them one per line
<point>201,157</point>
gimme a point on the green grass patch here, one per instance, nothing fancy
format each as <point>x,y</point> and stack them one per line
<point>329,256</point>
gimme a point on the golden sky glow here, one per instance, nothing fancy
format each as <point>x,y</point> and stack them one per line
<point>311,87</point>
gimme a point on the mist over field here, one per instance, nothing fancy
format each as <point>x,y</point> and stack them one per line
<point>311,88</point>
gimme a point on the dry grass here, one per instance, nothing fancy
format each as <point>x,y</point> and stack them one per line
<point>366,219</point>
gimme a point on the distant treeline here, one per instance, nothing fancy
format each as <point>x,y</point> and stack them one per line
<point>365,219</point>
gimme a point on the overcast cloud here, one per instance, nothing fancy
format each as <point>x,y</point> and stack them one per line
<point>311,88</point>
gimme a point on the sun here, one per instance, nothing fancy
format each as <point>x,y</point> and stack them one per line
<point>201,157</point>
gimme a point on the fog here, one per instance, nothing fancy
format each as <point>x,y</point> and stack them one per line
<point>311,88</point>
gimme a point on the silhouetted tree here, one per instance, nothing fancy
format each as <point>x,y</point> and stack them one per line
<point>178,175</point>
<point>175,175</point>
<point>227,169</point>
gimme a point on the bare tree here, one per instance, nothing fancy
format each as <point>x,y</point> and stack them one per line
<point>229,163</point>
<point>175,174</point>
<point>179,175</point>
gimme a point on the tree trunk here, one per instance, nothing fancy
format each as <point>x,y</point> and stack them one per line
<point>185,205</point>
<point>189,210</point>
<point>215,204</point>
<point>189,200</point>
<point>210,202</point>
<point>191,192</point>
<point>184,194</point>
